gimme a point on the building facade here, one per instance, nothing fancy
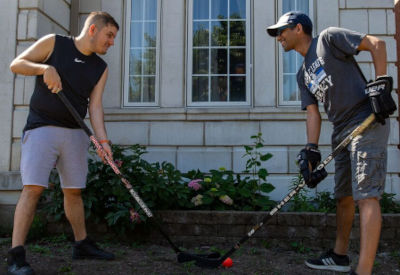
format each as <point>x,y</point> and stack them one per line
<point>192,80</point>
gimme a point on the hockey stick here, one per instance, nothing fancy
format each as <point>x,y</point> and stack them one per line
<point>181,258</point>
<point>214,263</point>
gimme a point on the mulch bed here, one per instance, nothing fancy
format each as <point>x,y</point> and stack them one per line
<point>52,255</point>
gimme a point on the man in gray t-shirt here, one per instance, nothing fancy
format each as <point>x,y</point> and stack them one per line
<point>330,75</point>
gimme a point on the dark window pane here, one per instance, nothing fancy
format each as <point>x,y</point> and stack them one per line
<point>136,34</point>
<point>200,34</point>
<point>237,86</point>
<point>150,34</point>
<point>219,9</point>
<point>238,33</point>
<point>150,12</point>
<point>135,62</point>
<point>200,9</point>
<point>200,61</point>
<point>237,61</point>
<point>219,33</point>
<point>149,88</point>
<point>137,10</point>
<point>219,88</point>
<point>199,88</point>
<point>134,89</point>
<point>149,62</point>
<point>237,9</point>
<point>219,61</point>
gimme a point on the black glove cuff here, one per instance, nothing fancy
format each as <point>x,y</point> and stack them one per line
<point>311,146</point>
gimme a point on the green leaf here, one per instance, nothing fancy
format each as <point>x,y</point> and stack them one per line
<point>263,173</point>
<point>265,157</point>
<point>266,187</point>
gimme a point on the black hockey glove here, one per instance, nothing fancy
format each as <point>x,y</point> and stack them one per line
<point>379,92</point>
<point>309,158</point>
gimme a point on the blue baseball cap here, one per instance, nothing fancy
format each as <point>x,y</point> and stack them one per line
<point>290,19</point>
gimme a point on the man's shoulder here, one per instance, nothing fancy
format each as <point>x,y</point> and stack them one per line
<point>62,37</point>
<point>100,60</point>
<point>332,31</point>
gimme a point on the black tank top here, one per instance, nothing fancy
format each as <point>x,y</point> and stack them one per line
<point>79,75</point>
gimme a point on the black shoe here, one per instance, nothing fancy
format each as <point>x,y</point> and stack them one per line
<point>87,249</point>
<point>330,261</point>
<point>16,262</point>
<point>352,272</point>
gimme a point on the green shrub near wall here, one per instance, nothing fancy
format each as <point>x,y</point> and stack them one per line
<point>162,187</point>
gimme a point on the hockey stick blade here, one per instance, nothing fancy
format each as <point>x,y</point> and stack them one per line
<point>212,260</point>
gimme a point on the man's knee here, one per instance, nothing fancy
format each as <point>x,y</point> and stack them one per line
<point>72,192</point>
<point>367,201</point>
<point>345,201</point>
<point>32,191</point>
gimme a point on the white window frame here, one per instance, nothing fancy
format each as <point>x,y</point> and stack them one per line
<point>189,62</point>
<point>281,101</point>
<point>127,37</point>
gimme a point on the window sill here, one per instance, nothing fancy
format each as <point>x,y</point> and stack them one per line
<point>202,113</point>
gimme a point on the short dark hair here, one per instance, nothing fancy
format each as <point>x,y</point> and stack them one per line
<point>307,29</point>
<point>101,19</point>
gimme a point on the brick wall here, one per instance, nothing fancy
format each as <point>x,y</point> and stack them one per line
<point>225,228</point>
<point>313,230</point>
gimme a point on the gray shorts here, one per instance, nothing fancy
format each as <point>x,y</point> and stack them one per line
<point>360,169</point>
<point>47,147</point>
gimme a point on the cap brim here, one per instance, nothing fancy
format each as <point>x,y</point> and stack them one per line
<point>273,30</point>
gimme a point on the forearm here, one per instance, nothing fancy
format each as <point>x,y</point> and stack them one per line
<point>26,67</point>
<point>313,125</point>
<point>379,58</point>
<point>97,122</point>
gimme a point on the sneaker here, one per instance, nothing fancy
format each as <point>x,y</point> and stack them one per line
<point>330,261</point>
<point>16,262</point>
<point>88,249</point>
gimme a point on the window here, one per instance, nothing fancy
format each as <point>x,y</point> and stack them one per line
<point>218,55</point>
<point>141,53</point>
<point>291,61</point>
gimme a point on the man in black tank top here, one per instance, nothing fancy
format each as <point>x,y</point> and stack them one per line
<point>52,136</point>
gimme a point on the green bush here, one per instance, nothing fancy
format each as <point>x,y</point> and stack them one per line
<point>161,186</point>
<point>326,203</point>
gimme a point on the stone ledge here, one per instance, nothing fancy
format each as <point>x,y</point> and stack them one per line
<point>199,228</point>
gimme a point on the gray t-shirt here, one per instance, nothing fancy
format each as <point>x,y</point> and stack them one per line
<point>330,75</point>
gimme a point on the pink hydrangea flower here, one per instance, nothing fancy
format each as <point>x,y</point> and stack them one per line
<point>135,217</point>
<point>119,163</point>
<point>226,199</point>
<point>194,184</point>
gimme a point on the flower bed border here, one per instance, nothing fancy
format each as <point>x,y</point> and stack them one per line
<point>207,228</point>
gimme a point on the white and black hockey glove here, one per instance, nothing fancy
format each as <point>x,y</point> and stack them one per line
<point>379,92</point>
<point>308,159</point>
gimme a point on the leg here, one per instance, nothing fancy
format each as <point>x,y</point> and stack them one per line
<point>344,220</point>
<point>74,210</point>
<point>369,174</point>
<point>72,167</point>
<point>370,230</point>
<point>25,212</point>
